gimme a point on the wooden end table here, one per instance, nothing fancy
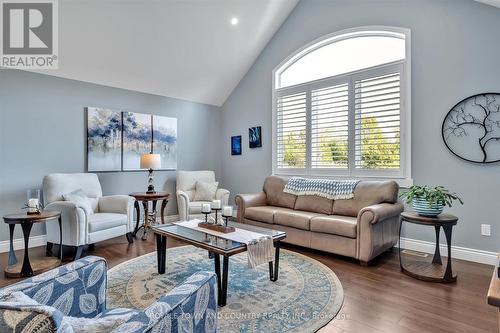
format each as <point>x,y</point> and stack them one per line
<point>149,217</point>
<point>38,265</point>
<point>433,272</point>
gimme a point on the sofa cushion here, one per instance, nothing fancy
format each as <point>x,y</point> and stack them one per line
<point>335,224</point>
<point>294,218</point>
<point>274,186</point>
<point>103,221</point>
<point>367,193</point>
<point>314,203</point>
<point>195,206</point>
<point>261,213</point>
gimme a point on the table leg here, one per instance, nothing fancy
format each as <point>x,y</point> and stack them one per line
<point>60,237</point>
<point>273,272</point>
<point>448,275</point>
<point>162,210</point>
<point>217,272</point>
<point>138,217</point>
<point>12,253</point>
<point>146,219</point>
<point>153,220</point>
<point>26,270</point>
<point>161,252</point>
<point>399,244</point>
<point>225,271</point>
<point>437,255</point>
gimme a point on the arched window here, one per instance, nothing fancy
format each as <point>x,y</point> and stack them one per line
<point>341,106</point>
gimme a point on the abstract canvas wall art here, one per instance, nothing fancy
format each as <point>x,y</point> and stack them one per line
<point>104,140</point>
<point>137,134</point>
<point>165,141</point>
<point>236,145</point>
<point>255,137</point>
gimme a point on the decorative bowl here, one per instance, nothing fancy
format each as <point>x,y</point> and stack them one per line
<point>422,207</point>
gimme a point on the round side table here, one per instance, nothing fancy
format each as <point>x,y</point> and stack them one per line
<point>433,272</point>
<point>38,266</point>
<point>149,217</point>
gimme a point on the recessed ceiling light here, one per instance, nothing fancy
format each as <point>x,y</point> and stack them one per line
<point>234,21</point>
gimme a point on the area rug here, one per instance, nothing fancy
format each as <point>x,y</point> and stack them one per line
<point>306,296</point>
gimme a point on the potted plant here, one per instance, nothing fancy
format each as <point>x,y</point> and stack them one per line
<point>427,201</point>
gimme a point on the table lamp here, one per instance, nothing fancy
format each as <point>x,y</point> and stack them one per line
<point>151,162</point>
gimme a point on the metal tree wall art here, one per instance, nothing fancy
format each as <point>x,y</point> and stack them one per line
<point>471,130</point>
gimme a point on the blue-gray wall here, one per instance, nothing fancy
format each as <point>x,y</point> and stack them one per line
<point>42,130</point>
<point>455,54</point>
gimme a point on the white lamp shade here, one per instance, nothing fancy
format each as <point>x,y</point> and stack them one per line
<point>150,161</point>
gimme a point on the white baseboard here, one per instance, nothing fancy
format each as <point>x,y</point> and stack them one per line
<point>41,240</point>
<point>172,218</point>
<point>19,243</point>
<point>457,252</point>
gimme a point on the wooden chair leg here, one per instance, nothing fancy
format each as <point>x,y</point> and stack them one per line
<point>364,263</point>
<point>78,252</point>
<point>48,250</point>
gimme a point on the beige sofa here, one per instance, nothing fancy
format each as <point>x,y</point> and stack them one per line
<point>362,227</point>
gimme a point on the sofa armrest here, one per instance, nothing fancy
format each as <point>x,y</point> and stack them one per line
<point>381,211</point>
<point>190,307</point>
<point>378,229</point>
<point>223,196</point>
<point>76,289</point>
<point>244,201</point>
<point>74,224</point>
<point>182,205</point>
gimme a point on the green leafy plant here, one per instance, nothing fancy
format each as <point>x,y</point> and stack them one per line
<point>436,195</point>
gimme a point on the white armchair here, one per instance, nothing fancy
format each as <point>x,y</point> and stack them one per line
<point>186,185</point>
<point>112,215</point>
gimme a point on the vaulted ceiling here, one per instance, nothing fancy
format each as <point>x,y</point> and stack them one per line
<point>495,3</point>
<point>186,49</point>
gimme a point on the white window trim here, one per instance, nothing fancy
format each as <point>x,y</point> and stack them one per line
<point>405,178</point>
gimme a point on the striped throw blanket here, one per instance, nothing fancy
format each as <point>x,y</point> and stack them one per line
<point>327,188</point>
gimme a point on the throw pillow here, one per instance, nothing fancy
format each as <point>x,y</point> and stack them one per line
<point>205,191</point>
<point>80,199</point>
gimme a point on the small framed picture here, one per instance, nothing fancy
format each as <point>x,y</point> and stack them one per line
<point>236,145</point>
<point>255,137</point>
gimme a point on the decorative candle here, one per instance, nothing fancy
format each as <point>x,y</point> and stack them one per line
<point>33,205</point>
<point>216,204</point>
<point>205,208</point>
<point>227,211</point>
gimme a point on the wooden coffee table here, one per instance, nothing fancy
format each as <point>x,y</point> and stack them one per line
<point>26,221</point>
<point>217,246</point>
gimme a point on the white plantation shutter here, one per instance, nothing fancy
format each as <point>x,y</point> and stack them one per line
<point>329,127</point>
<point>291,122</point>
<point>377,122</point>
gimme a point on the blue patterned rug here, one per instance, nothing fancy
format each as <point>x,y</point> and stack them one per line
<point>306,296</point>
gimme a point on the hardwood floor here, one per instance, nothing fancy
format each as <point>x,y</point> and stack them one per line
<point>377,299</point>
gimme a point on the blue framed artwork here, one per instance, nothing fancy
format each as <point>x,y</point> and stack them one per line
<point>255,137</point>
<point>137,139</point>
<point>236,145</point>
<point>104,139</point>
<point>165,141</point>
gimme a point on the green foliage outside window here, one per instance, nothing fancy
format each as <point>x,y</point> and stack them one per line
<point>377,150</point>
